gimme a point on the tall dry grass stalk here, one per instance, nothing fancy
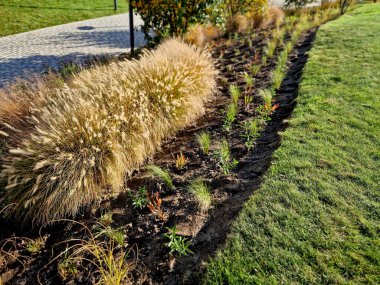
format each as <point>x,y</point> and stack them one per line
<point>77,142</point>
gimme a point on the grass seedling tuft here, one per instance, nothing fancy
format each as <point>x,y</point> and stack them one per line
<point>160,173</point>
<point>226,162</point>
<point>177,244</point>
<point>255,69</point>
<point>235,93</point>
<point>252,130</point>
<point>202,194</point>
<point>204,140</point>
<point>230,116</point>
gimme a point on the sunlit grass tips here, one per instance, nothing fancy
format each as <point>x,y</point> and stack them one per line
<point>202,193</point>
<point>160,173</point>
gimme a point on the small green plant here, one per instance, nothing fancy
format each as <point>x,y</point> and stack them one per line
<point>252,129</point>
<point>154,205</point>
<point>235,93</point>
<point>177,244</point>
<point>230,116</point>
<point>255,69</point>
<point>106,219</point>
<point>266,109</point>
<point>35,245</point>
<point>270,48</point>
<point>249,81</point>
<point>181,161</point>
<point>226,162</point>
<point>202,194</point>
<point>67,268</point>
<point>204,140</point>
<point>264,60</point>
<point>160,173</point>
<point>117,235</point>
<point>247,100</point>
<point>139,200</point>
<point>267,97</point>
<point>112,265</point>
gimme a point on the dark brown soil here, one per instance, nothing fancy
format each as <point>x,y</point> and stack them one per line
<point>207,232</point>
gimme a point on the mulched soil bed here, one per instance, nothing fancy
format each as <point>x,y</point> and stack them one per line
<point>144,231</point>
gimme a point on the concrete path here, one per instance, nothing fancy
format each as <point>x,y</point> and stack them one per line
<point>33,52</point>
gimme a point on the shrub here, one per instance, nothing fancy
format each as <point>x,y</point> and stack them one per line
<point>167,17</point>
<point>343,5</point>
<point>75,142</point>
<point>201,35</point>
<point>297,3</point>
<point>270,16</point>
<point>237,24</point>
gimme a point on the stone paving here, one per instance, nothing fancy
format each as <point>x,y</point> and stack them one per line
<point>24,54</point>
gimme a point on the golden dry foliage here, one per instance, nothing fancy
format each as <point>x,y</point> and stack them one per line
<point>200,35</point>
<point>237,23</point>
<point>80,140</point>
<point>273,16</point>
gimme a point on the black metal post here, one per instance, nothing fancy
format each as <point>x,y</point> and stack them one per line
<point>131,27</point>
<point>115,4</point>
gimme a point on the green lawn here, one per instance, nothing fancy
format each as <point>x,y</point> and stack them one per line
<point>316,218</point>
<point>18,16</point>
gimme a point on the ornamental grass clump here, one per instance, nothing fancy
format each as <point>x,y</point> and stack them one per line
<point>76,143</point>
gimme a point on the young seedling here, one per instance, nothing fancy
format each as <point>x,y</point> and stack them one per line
<point>249,81</point>
<point>226,162</point>
<point>117,235</point>
<point>139,200</point>
<point>34,246</point>
<point>247,100</point>
<point>255,69</point>
<point>252,129</point>
<point>181,161</point>
<point>67,268</point>
<point>264,60</point>
<point>230,116</point>
<point>269,50</point>
<point>106,219</point>
<point>161,174</point>
<point>235,93</point>
<point>177,244</point>
<point>204,140</point>
<point>266,109</point>
<point>202,194</point>
<point>154,205</point>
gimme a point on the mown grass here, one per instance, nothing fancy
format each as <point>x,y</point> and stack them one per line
<point>315,220</point>
<point>17,16</point>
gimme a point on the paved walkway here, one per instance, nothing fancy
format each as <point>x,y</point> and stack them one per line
<point>33,52</point>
